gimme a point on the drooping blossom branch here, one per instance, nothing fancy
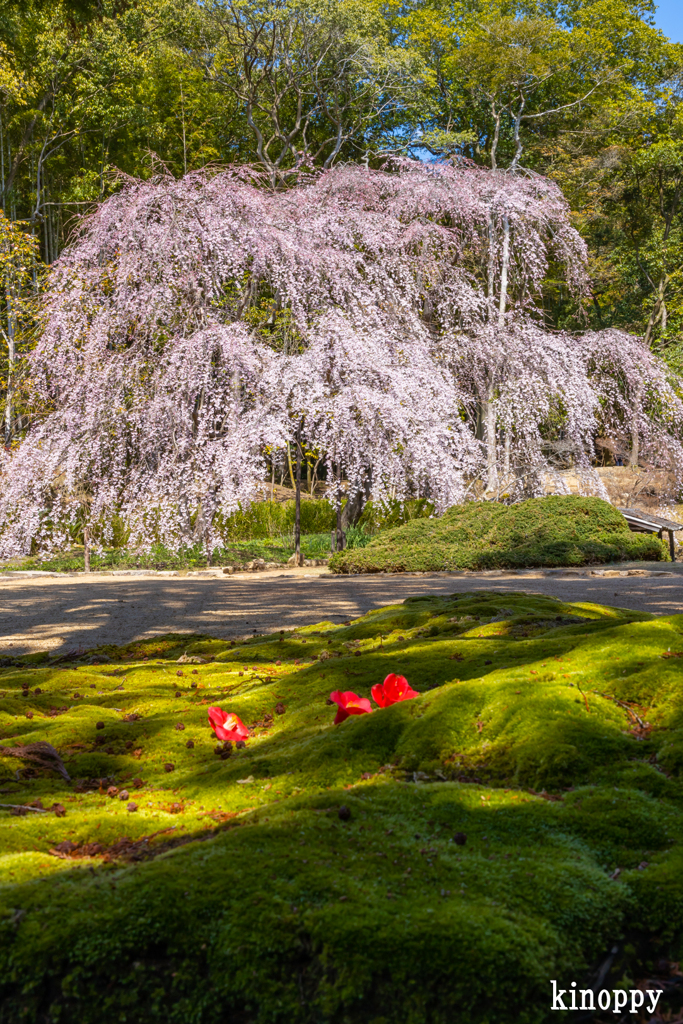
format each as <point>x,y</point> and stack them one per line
<point>392,316</point>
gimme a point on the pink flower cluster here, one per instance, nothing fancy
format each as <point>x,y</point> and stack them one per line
<point>411,303</point>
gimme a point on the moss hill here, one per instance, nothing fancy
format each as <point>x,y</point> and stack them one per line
<point>549,531</point>
<point>547,738</point>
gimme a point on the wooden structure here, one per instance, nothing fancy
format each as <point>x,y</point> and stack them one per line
<point>643,522</point>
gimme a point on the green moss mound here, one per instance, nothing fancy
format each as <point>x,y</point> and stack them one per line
<point>550,735</point>
<point>552,531</point>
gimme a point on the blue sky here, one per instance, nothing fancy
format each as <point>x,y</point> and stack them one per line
<point>669,18</point>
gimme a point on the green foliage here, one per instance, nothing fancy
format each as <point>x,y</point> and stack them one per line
<point>552,531</point>
<point>263,530</point>
<point>357,537</point>
<point>625,187</point>
<point>382,515</point>
<point>19,267</point>
<point>252,891</point>
<point>272,549</point>
<point>490,63</point>
<point>272,519</point>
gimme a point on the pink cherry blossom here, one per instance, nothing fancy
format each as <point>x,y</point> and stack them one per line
<point>415,357</point>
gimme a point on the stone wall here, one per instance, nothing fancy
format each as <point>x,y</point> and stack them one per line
<point>621,485</point>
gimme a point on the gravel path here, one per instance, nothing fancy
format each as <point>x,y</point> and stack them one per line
<point>48,613</point>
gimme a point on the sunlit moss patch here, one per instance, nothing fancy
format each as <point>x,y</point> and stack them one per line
<point>503,828</point>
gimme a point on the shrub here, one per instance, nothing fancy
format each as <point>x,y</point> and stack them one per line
<point>552,531</point>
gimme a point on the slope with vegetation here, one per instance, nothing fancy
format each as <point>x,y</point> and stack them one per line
<point>263,530</point>
<point>552,531</point>
<point>517,819</point>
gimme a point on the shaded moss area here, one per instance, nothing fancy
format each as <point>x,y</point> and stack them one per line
<point>552,531</point>
<point>549,735</point>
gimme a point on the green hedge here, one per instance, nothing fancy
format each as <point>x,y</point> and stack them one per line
<point>552,531</point>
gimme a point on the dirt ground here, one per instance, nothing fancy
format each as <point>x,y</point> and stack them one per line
<point>69,612</point>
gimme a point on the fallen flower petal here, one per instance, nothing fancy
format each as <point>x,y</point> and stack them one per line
<point>379,696</point>
<point>349,704</point>
<point>392,690</point>
<point>227,726</point>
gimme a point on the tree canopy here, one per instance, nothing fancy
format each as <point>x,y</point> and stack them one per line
<point>404,314</point>
<point>500,181</point>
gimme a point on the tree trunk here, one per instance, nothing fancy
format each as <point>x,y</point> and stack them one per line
<point>86,549</point>
<point>658,310</point>
<point>490,440</point>
<point>339,536</point>
<point>353,507</point>
<point>2,167</point>
<point>635,447</point>
<point>10,365</point>
<point>635,444</point>
<point>291,469</point>
<point>297,515</point>
<point>182,107</point>
<point>506,456</point>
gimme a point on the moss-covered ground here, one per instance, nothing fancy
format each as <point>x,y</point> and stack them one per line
<point>560,530</point>
<point>434,862</point>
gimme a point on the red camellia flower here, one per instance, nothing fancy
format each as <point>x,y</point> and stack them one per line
<point>392,690</point>
<point>227,726</point>
<point>349,704</point>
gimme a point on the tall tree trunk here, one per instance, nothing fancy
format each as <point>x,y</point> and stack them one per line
<point>2,166</point>
<point>297,515</point>
<point>339,538</point>
<point>635,447</point>
<point>25,140</point>
<point>489,409</point>
<point>658,310</point>
<point>491,441</point>
<point>10,363</point>
<point>496,136</point>
<point>506,456</point>
<point>291,468</point>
